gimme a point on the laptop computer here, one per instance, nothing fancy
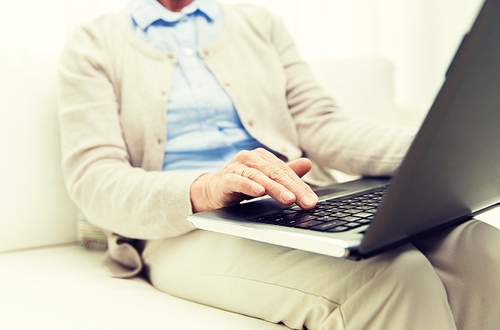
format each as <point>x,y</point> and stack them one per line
<point>450,173</point>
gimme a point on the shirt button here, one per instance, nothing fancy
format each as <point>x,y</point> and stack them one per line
<point>197,84</point>
<point>182,19</point>
<point>250,123</point>
<point>208,121</point>
<point>188,51</point>
<point>172,58</point>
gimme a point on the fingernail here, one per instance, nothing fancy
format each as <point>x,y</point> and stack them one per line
<point>287,196</point>
<point>308,201</point>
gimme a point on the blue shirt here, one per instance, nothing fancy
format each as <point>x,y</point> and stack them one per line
<point>204,131</point>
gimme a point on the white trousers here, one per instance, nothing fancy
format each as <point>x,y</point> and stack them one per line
<point>448,280</point>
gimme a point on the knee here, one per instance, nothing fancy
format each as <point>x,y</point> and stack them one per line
<point>483,252</point>
<point>411,274</point>
<point>411,265</point>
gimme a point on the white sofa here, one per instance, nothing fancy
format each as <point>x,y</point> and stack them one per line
<point>47,281</point>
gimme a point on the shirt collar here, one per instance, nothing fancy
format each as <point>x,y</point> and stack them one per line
<point>146,12</point>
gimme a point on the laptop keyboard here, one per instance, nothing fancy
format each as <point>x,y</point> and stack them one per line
<point>333,215</point>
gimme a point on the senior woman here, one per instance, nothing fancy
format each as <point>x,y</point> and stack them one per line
<point>173,107</point>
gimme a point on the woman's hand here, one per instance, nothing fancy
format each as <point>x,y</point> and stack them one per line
<point>254,173</point>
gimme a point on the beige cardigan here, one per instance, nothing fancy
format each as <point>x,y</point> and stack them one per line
<point>113,96</point>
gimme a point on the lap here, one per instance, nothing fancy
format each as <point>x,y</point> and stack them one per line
<point>296,287</point>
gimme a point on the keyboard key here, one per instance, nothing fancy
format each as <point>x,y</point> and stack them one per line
<point>293,222</point>
<point>296,215</point>
<point>301,218</point>
<point>347,206</point>
<point>364,214</point>
<point>308,224</point>
<point>350,218</point>
<point>321,213</point>
<point>338,229</point>
<point>353,211</point>
<point>340,214</point>
<point>327,218</point>
<point>260,219</point>
<point>333,209</point>
<point>328,225</point>
<point>273,220</point>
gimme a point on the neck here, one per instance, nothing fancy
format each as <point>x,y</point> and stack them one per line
<point>175,5</point>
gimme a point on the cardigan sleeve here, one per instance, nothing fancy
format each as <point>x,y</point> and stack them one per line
<point>327,134</point>
<point>114,195</point>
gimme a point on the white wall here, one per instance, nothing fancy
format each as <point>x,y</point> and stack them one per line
<point>418,36</point>
<point>421,37</point>
<point>31,24</point>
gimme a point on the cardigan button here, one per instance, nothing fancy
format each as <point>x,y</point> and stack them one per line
<point>250,123</point>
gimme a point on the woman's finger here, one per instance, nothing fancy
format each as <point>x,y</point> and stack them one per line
<point>300,166</point>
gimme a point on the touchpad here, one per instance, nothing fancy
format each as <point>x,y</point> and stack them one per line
<point>327,191</point>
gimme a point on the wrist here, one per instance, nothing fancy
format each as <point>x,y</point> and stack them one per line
<point>199,194</point>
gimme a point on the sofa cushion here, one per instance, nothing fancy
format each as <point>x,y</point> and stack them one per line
<point>33,201</point>
<point>65,288</point>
